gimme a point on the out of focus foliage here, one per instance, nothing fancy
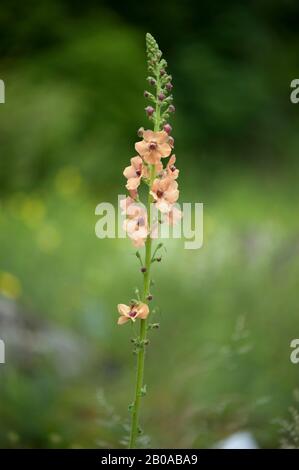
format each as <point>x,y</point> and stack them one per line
<point>75,75</point>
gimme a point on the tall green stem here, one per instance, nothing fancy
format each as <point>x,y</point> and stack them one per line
<point>146,291</point>
<point>143,333</point>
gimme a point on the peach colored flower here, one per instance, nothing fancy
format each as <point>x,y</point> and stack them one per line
<point>133,173</point>
<point>136,210</point>
<point>132,312</point>
<point>125,203</point>
<point>133,194</point>
<point>153,146</point>
<point>171,169</point>
<point>131,208</point>
<point>136,222</point>
<point>172,217</point>
<point>165,193</point>
<point>137,230</point>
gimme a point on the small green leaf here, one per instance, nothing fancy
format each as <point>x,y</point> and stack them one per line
<point>131,407</point>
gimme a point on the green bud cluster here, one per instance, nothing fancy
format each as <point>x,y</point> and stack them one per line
<point>139,344</point>
<point>161,81</point>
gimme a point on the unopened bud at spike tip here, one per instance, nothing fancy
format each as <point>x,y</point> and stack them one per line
<point>167,128</point>
<point>151,81</point>
<point>149,110</point>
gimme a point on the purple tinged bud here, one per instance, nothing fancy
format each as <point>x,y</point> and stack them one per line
<point>161,96</point>
<point>151,80</point>
<point>149,110</point>
<point>167,128</point>
<point>169,86</point>
<point>140,131</point>
<point>171,108</point>
<point>162,72</point>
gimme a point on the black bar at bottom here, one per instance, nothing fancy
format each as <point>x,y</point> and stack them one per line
<point>93,458</point>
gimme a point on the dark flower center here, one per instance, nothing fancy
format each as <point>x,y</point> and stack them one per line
<point>153,146</point>
<point>138,172</point>
<point>141,221</point>
<point>159,193</point>
<point>133,314</point>
<point>172,168</point>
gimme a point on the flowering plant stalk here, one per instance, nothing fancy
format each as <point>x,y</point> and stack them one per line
<point>141,223</point>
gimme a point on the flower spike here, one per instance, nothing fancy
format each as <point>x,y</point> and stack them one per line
<point>147,169</point>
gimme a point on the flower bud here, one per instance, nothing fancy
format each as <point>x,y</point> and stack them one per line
<point>151,81</point>
<point>161,96</point>
<point>153,326</point>
<point>167,128</point>
<point>171,141</point>
<point>149,297</point>
<point>149,110</point>
<point>130,407</point>
<point>162,72</point>
<point>140,134</point>
<point>146,94</point>
<point>169,86</point>
<point>143,269</point>
<point>159,258</point>
<point>171,108</point>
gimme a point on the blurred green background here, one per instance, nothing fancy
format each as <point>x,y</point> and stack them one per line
<point>75,74</point>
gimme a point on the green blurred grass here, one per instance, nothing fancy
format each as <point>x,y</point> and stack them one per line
<point>220,361</point>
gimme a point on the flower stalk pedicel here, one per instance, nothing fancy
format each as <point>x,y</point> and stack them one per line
<point>162,193</point>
